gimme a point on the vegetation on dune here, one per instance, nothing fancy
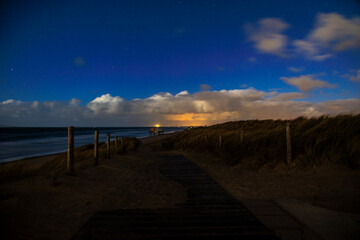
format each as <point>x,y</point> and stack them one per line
<point>51,170</point>
<point>314,141</point>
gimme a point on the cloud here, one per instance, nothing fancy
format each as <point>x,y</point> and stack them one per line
<point>287,96</point>
<point>48,113</point>
<point>106,104</point>
<point>267,35</point>
<point>306,82</point>
<point>10,101</point>
<point>332,33</point>
<point>296,69</point>
<point>182,93</point>
<point>336,106</point>
<point>310,50</point>
<point>184,108</point>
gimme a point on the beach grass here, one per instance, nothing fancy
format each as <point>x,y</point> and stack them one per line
<point>315,141</point>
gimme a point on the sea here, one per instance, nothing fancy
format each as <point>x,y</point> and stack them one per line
<point>23,142</point>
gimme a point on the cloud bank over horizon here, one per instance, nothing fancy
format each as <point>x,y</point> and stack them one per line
<point>184,108</point>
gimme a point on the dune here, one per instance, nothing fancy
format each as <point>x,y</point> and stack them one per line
<point>40,201</point>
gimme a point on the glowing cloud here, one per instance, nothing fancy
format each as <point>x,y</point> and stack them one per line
<point>200,108</point>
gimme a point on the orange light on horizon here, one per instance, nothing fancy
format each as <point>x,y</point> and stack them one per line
<point>157,125</point>
<point>202,119</point>
<point>188,119</point>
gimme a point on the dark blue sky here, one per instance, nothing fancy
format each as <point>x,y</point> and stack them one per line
<point>59,50</point>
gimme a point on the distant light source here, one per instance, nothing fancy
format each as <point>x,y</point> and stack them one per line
<point>157,125</point>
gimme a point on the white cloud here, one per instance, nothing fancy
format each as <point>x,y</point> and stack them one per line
<point>182,93</point>
<point>306,82</point>
<point>106,103</point>
<point>8,101</point>
<point>335,31</point>
<point>332,33</point>
<point>199,108</point>
<point>161,96</point>
<point>296,69</point>
<point>267,35</point>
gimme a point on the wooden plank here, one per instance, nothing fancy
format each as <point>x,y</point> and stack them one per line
<point>209,213</point>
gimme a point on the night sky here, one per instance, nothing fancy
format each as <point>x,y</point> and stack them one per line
<point>138,63</point>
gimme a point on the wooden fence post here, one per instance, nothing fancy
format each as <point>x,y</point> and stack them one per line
<point>122,144</point>
<point>220,140</point>
<point>96,148</point>
<point>288,144</point>
<point>116,144</point>
<point>70,153</point>
<point>242,137</point>
<point>108,146</point>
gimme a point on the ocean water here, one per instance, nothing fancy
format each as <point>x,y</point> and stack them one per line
<point>22,142</point>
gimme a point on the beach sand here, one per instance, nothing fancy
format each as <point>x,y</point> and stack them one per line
<point>34,208</point>
<point>41,208</point>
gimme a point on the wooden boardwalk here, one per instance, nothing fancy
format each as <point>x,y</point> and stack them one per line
<point>209,213</point>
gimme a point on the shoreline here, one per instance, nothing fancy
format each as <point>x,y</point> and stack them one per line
<point>54,154</point>
<point>42,158</point>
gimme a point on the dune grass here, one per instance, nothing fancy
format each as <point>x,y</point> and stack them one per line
<point>315,141</point>
<point>53,169</point>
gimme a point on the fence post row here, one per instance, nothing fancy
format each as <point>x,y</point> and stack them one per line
<point>70,153</point>
<point>96,148</point>
<point>288,144</point>
<point>108,146</point>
